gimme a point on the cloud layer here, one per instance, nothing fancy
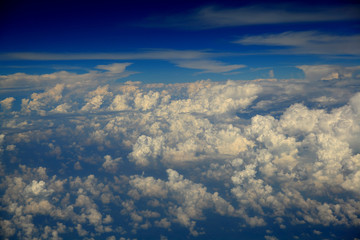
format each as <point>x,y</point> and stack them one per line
<point>119,160</point>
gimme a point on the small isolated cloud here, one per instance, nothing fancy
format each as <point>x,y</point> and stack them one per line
<point>209,66</point>
<point>6,104</point>
<point>267,237</point>
<point>307,42</point>
<point>114,68</point>
<point>110,164</point>
<point>271,74</point>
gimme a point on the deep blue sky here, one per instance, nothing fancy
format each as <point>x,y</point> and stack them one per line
<point>216,28</point>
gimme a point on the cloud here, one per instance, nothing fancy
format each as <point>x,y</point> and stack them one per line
<point>134,159</point>
<point>217,17</point>
<point>96,98</point>
<point>209,66</point>
<point>41,100</point>
<point>111,165</point>
<point>191,59</point>
<point>328,72</point>
<point>6,104</point>
<point>306,42</point>
<point>19,81</point>
<point>192,199</point>
<point>114,68</point>
<point>154,54</point>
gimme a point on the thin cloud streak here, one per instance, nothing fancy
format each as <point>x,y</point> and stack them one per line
<point>191,59</point>
<point>306,42</point>
<point>159,54</point>
<point>209,66</point>
<point>215,17</point>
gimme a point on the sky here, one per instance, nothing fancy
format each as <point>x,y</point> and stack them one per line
<point>179,40</point>
<point>179,120</point>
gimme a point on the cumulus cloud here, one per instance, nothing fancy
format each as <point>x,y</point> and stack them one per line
<point>110,164</point>
<point>41,100</point>
<point>134,157</point>
<point>6,104</point>
<point>191,199</point>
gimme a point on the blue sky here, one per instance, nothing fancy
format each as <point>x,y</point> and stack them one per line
<point>227,39</point>
<point>179,120</point>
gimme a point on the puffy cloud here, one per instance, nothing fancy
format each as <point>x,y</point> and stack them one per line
<point>36,188</point>
<point>218,98</point>
<point>111,164</point>
<point>191,198</point>
<point>231,149</point>
<point>39,101</point>
<point>6,104</point>
<point>62,108</point>
<point>7,228</point>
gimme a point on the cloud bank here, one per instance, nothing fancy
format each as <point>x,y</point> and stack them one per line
<point>120,160</point>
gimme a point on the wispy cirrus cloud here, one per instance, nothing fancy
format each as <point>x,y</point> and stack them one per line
<point>209,66</point>
<point>107,73</point>
<point>191,59</point>
<point>153,54</point>
<point>306,42</point>
<point>216,17</point>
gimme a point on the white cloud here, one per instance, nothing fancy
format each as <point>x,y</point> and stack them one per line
<point>39,101</point>
<point>209,66</point>
<point>192,198</point>
<point>110,164</point>
<point>36,188</point>
<point>257,152</point>
<point>62,108</point>
<point>6,104</point>
<point>328,72</point>
<point>21,81</point>
<point>114,68</point>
